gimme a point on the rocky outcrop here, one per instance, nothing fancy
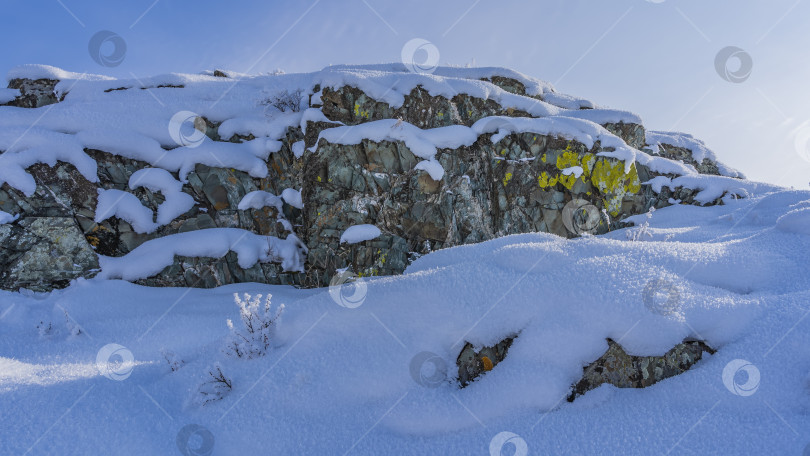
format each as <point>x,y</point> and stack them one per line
<point>682,154</point>
<point>489,190</point>
<point>472,364</point>
<point>614,367</point>
<point>621,370</point>
<point>515,183</point>
<point>33,93</point>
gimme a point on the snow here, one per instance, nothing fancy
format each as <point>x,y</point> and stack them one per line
<point>711,187</point>
<point>422,143</point>
<point>533,86</point>
<point>337,380</point>
<point>127,207</point>
<point>32,71</point>
<point>582,130</point>
<point>260,199</point>
<point>8,95</point>
<point>27,146</point>
<point>176,202</point>
<point>575,170</point>
<point>248,156</point>
<point>433,168</point>
<point>314,115</point>
<point>686,141</point>
<point>5,218</point>
<point>292,197</point>
<point>391,83</point>
<point>298,149</point>
<point>604,116</point>
<point>797,220</point>
<point>154,255</point>
<point>115,116</point>
<point>359,233</point>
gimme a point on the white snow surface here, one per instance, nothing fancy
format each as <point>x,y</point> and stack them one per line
<point>34,71</point>
<point>686,141</point>
<point>298,149</point>
<point>797,220</point>
<point>359,233</point>
<point>152,256</point>
<point>259,199</point>
<point>176,202</point>
<point>337,380</point>
<point>126,206</point>
<point>292,197</point>
<point>8,95</point>
<point>575,170</point>
<point>5,217</point>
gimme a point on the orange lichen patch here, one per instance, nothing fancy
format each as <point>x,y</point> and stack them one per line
<point>487,363</point>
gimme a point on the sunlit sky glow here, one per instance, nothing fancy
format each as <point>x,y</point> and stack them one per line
<point>655,58</point>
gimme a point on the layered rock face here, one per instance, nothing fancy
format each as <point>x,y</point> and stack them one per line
<point>530,159</point>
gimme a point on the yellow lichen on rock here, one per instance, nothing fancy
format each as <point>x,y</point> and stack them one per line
<point>506,178</point>
<point>544,181</point>
<point>609,178</point>
<point>587,165</point>
<point>567,159</point>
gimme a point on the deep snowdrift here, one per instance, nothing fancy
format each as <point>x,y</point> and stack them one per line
<point>337,379</point>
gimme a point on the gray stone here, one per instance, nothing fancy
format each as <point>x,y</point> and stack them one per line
<point>472,364</point>
<point>619,369</point>
<point>42,253</point>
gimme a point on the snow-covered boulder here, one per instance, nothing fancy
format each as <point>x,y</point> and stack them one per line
<point>430,161</point>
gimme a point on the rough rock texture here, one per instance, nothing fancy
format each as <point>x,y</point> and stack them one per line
<point>685,155</point>
<point>40,253</point>
<point>34,93</point>
<point>619,369</point>
<point>471,363</point>
<point>615,367</point>
<point>514,185</point>
<point>488,190</point>
<point>351,106</point>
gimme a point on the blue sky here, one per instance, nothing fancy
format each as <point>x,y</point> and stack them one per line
<point>656,58</point>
